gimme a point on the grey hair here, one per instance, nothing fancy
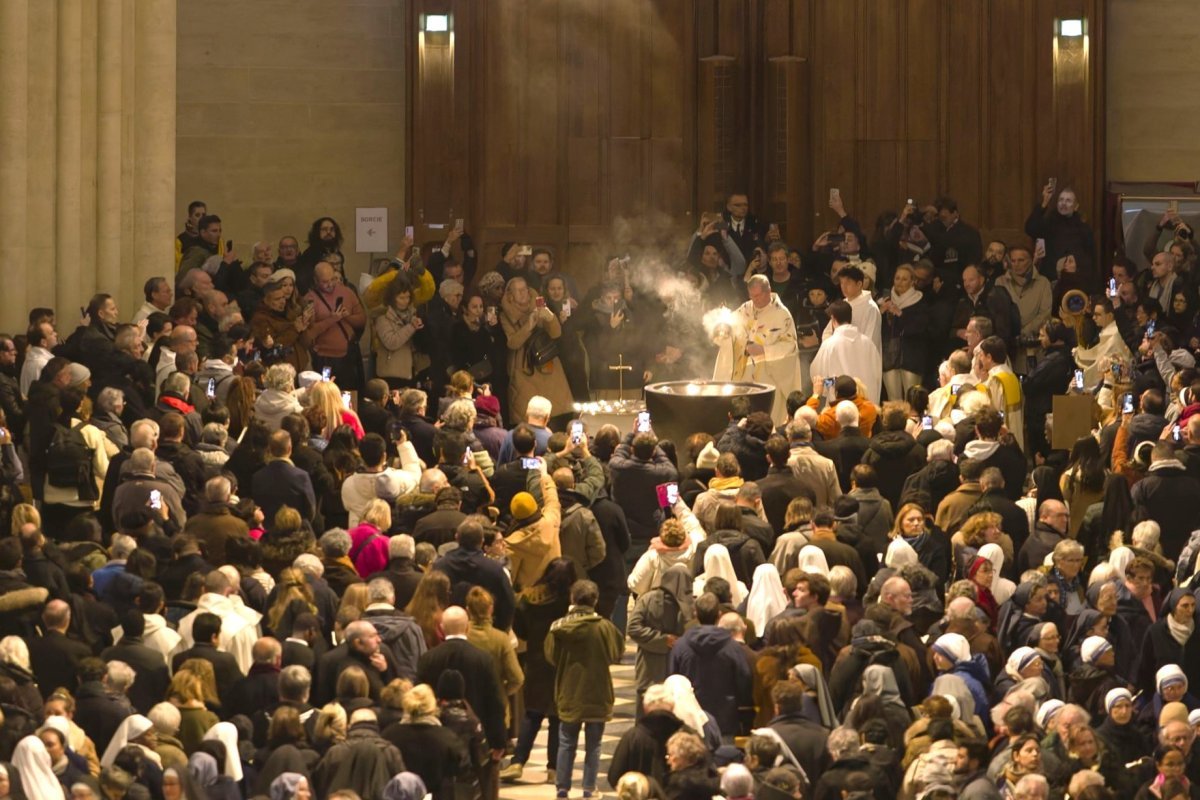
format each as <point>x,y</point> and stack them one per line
<point>940,449</point>
<point>449,287</point>
<point>280,377</point>
<point>166,717</point>
<point>295,682</point>
<point>737,781</point>
<point>381,590</point>
<point>1032,786</point>
<point>843,743</point>
<point>120,676</point>
<point>218,489</point>
<point>335,542</point>
<point>122,545</point>
<point>13,650</point>
<point>108,399</point>
<point>460,414</point>
<point>143,433</point>
<point>846,414</point>
<point>1146,534</point>
<point>800,430</point>
<point>214,433</point>
<point>759,280</point>
<point>177,382</point>
<point>142,460</point>
<point>401,546</point>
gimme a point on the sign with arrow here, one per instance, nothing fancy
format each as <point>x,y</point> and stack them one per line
<point>371,230</point>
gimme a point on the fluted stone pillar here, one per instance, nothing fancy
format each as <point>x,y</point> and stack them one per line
<point>87,152</point>
<point>14,104</point>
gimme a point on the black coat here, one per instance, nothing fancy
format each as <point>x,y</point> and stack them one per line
<point>939,478</point>
<point>905,339</point>
<point>643,748</point>
<point>779,487</point>
<point>1170,497</point>
<point>433,752</point>
<point>55,659</point>
<point>895,455</point>
<point>849,446</point>
<point>336,661</point>
<point>100,713</point>
<point>483,690</point>
<point>225,667</point>
<point>259,689</point>
<point>279,484</point>
<point>474,568</point>
<point>750,450</point>
<point>745,553</point>
<point>152,678</point>
<point>1063,235</point>
<point>610,575</point>
<point>404,576</point>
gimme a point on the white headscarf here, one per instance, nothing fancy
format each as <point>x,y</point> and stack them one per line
<point>687,707</point>
<point>1120,559</point>
<point>1002,588</point>
<point>717,564</point>
<point>226,734</point>
<point>130,728</point>
<point>37,776</point>
<point>812,559</point>
<point>899,554</point>
<point>767,597</point>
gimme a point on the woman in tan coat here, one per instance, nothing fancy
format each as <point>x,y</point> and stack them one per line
<point>520,317</point>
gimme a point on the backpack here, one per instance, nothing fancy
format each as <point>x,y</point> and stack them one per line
<point>69,462</point>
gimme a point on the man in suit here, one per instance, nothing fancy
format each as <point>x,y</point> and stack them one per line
<point>150,667</point>
<point>280,482</point>
<point>483,690</point>
<point>467,565</point>
<point>744,227</point>
<point>206,632</point>
<point>298,648</point>
<point>401,570</point>
<point>55,657</point>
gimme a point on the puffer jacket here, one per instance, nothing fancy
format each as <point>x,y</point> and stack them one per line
<point>273,405</point>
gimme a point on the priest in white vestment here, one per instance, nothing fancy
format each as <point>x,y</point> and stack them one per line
<point>758,343</point>
<point>846,351</point>
<point>1095,360</point>
<point>866,313</point>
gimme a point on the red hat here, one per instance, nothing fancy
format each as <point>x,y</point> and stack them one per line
<point>488,404</point>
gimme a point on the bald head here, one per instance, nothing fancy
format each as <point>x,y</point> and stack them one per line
<point>454,621</point>
<point>267,651</point>
<point>362,637</point>
<point>183,339</point>
<point>323,271</point>
<point>57,615</point>
<point>898,594</point>
<point>1054,513</point>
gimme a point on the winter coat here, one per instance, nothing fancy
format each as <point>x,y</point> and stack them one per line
<point>526,380</point>
<point>401,635</point>
<point>579,534</point>
<point>895,455</point>
<point>658,613</point>
<point>633,487</point>
<point>905,343</point>
<point>273,405</point>
<point>213,527</point>
<point>537,609</point>
<point>745,553</point>
<point>643,748</point>
<point>719,672</point>
<point>939,478</point>
<point>1170,497</point>
<point>364,763</point>
<point>874,516</point>
<point>533,546</point>
<point>581,646</point>
<point>751,451</point>
<point>648,571</point>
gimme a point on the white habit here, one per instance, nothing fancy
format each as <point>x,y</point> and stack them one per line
<point>779,365</point>
<point>864,315</point>
<point>1111,345</point>
<point>848,352</point>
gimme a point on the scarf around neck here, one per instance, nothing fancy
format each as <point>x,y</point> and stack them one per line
<point>1180,632</point>
<point>909,298</point>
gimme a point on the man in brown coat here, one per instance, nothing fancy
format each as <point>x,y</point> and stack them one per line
<point>532,538</point>
<point>962,617</point>
<point>215,524</point>
<point>955,507</point>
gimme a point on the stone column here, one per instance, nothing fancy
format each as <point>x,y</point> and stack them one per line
<point>109,156</point>
<point>14,105</point>
<point>154,129</point>
<point>69,159</point>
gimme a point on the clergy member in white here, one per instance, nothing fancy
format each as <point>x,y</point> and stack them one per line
<point>847,352</point>
<point>759,344</point>
<point>866,314</point>
<point>1111,347</point>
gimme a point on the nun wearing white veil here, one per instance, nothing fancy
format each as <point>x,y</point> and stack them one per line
<point>226,733</point>
<point>131,729</point>
<point>767,597</point>
<point>37,776</point>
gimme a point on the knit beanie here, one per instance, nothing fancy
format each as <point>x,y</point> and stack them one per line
<point>523,506</point>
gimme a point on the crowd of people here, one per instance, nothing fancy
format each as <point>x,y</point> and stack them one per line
<point>246,561</point>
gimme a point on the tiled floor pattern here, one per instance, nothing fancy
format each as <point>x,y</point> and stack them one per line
<point>532,785</point>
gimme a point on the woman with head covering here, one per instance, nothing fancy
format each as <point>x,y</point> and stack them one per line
<point>1090,622</point>
<point>1024,609</point>
<point>404,786</point>
<point>135,730</point>
<point>717,564</point>
<point>898,555</point>
<point>689,712</point>
<point>67,766</point>
<point>1104,597</point>
<point>1095,676</point>
<point>207,775</point>
<point>659,616</point>
<point>881,697</point>
<point>812,559</point>
<point>37,775</point>
<point>177,784</point>
<point>952,656</point>
<point>1171,640</point>
<point>1002,588</point>
<point>226,734</point>
<point>1023,664</point>
<point>1171,686</point>
<point>1045,639</point>
<point>1119,730</point>
<point>982,573</point>
<point>1120,558</point>
<point>955,689</point>
<point>818,704</point>
<point>767,597</point>
<point>291,786</point>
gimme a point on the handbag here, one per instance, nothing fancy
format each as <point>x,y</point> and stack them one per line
<point>541,349</point>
